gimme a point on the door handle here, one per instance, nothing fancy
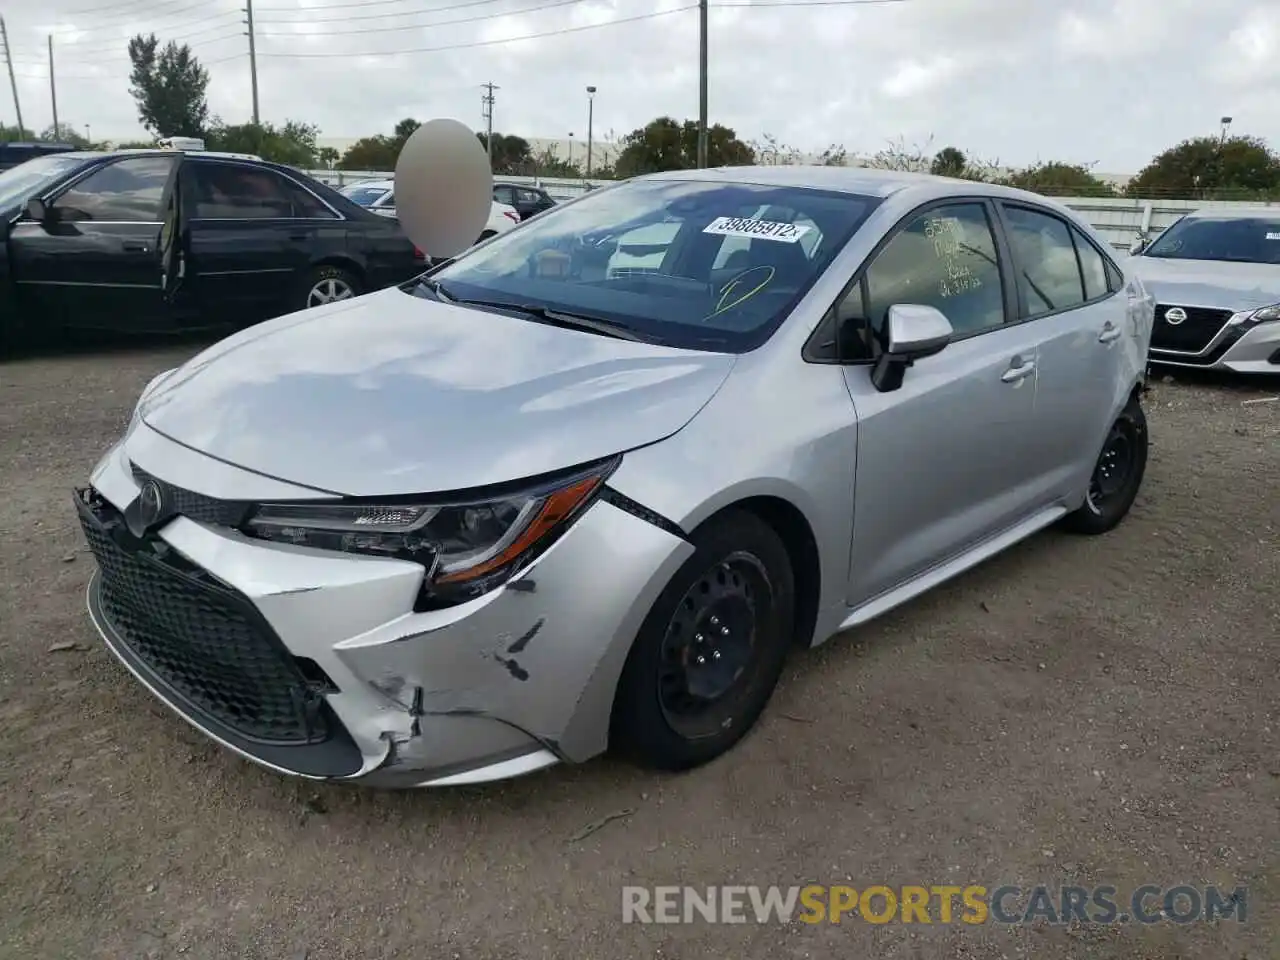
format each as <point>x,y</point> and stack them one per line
<point>136,246</point>
<point>1019,370</point>
<point>1110,332</point>
<point>299,236</point>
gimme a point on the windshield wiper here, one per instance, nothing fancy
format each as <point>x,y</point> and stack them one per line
<point>568,321</point>
<point>436,287</point>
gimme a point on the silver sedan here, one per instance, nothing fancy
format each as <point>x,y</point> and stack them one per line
<point>591,483</point>
<point>1215,275</point>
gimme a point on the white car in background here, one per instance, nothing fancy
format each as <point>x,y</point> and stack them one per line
<point>379,196</point>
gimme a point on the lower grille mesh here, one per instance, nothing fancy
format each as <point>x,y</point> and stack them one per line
<point>201,638</point>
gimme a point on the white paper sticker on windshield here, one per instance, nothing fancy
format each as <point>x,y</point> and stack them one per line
<point>764,229</point>
<point>1273,236</point>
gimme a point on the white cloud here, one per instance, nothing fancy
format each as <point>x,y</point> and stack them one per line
<point>1112,81</point>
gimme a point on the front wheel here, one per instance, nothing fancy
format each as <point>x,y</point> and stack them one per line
<point>1117,476</point>
<point>709,654</point>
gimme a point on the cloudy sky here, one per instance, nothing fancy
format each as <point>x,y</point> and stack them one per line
<point>1108,82</point>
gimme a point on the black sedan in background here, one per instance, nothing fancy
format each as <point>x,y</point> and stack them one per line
<point>528,201</point>
<point>164,240</point>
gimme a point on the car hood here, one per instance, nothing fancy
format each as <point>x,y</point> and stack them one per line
<point>1209,283</point>
<point>394,394</point>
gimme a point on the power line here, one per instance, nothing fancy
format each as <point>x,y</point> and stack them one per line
<point>418,13</point>
<point>489,43</point>
<point>126,6</point>
<point>196,39</point>
<point>83,27</point>
<point>411,26</point>
<point>92,57</point>
<point>381,3</point>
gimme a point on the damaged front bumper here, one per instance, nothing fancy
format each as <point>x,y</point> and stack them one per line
<point>315,664</point>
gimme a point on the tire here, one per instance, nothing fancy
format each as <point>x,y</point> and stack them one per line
<point>327,283</point>
<point>1110,496</point>
<point>739,581</point>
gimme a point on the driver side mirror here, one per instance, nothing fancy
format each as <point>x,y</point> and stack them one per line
<point>37,210</point>
<point>913,331</point>
<point>1139,244</point>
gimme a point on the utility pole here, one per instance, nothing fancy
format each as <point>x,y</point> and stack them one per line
<point>253,58</point>
<point>702,84</point>
<point>486,114</point>
<point>591,109</point>
<point>53,93</point>
<point>13,80</point>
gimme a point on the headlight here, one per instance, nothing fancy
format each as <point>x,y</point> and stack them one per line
<point>1267,313</point>
<point>467,544</point>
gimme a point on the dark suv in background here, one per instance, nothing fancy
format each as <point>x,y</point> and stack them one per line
<point>166,240</point>
<point>528,201</point>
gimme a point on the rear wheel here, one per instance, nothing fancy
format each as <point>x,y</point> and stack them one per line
<point>328,283</point>
<point>709,654</point>
<point>1117,476</point>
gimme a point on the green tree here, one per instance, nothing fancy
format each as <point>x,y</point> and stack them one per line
<point>512,155</point>
<point>14,135</point>
<point>327,157</point>
<point>293,144</point>
<point>667,144</point>
<point>1057,179</point>
<point>949,162</point>
<point>1203,167</point>
<point>378,152</point>
<point>169,86</point>
<point>547,164</point>
<point>834,156</point>
<point>65,133</point>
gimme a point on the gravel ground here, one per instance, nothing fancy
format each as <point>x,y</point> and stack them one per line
<point>1076,711</point>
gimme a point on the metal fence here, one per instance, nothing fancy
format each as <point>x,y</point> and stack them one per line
<point>1118,219</point>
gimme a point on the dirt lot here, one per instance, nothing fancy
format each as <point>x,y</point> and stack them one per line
<point>1077,711</point>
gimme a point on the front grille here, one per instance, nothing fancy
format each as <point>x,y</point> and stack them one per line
<point>1191,335</point>
<point>201,639</point>
<point>196,506</point>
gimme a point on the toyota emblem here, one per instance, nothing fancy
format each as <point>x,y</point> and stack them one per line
<point>1174,316</point>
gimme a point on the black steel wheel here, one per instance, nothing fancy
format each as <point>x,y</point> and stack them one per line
<point>1117,475</point>
<point>709,654</point>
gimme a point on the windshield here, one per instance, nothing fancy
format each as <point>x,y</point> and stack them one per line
<point>26,180</point>
<point>365,196</point>
<point>1238,239</point>
<point>695,264</point>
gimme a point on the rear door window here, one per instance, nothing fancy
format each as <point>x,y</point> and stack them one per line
<point>1049,276</point>
<point>1092,266</point>
<point>225,191</point>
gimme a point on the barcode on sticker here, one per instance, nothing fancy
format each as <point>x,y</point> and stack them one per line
<point>1273,236</point>
<point>764,229</point>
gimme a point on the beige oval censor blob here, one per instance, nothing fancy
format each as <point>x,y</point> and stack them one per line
<point>444,188</point>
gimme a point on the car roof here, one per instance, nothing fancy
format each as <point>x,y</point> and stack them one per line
<point>1236,213</point>
<point>865,181</point>
<point>372,184</point>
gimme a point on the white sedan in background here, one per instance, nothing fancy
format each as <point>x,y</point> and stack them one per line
<point>379,196</point>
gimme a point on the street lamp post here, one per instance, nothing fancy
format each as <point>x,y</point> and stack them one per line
<point>591,109</point>
<point>1222,145</point>
<point>571,148</point>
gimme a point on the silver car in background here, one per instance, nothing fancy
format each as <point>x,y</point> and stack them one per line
<point>1215,276</point>
<point>590,484</point>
